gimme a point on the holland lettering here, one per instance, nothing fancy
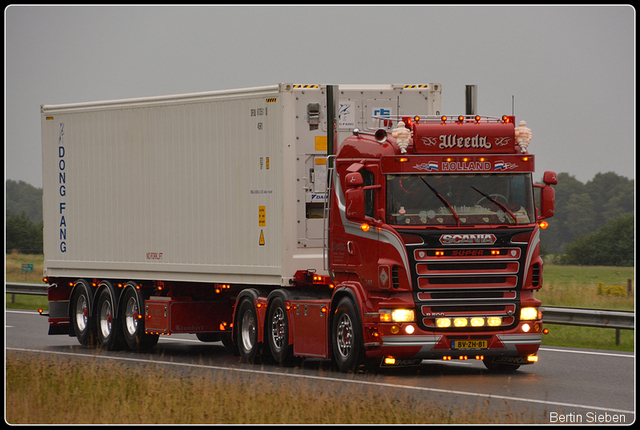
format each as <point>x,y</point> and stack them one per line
<point>456,166</point>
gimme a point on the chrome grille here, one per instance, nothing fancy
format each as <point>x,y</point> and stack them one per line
<point>474,281</point>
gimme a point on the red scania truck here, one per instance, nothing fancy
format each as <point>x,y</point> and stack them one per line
<point>287,221</point>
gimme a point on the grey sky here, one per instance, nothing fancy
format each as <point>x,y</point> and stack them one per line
<point>570,68</point>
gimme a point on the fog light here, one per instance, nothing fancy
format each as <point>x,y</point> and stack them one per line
<point>494,321</point>
<point>526,328</point>
<point>477,322</point>
<point>409,329</point>
<point>443,322</point>
<point>460,322</point>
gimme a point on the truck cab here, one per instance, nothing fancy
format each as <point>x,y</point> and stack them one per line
<point>440,241</point>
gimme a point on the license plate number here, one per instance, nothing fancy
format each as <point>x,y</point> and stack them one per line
<point>469,344</point>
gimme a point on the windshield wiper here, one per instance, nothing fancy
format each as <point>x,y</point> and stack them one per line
<point>492,200</point>
<point>442,199</point>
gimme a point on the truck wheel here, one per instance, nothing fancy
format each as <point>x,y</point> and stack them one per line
<point>278,332</point>
<point>109,326</point>
<point>83,324</point>
<point>133,325</point>
<point>247,331</point>
<point>499,367</point>
<point>348,346</point>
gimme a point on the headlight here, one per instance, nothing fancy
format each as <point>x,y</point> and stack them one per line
<point>528,314</point>
<point>403,315</point>
<point>397,315</point>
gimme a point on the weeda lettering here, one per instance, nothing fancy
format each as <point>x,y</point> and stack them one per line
<point>450,141</point>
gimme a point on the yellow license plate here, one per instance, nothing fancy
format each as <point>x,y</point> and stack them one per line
<point>469,344</point>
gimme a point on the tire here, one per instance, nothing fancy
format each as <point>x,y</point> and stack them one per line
<point>247,331</point>
<point>346,337</point>
<point>278,332</point>
<point>109,326</point>
<point>82,322</point>
<point>499,367</point>
<point>133,325</point>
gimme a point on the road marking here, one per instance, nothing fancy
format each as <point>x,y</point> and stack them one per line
<point>9,311</point>
<point>325,378</point>
<point>574,351</point>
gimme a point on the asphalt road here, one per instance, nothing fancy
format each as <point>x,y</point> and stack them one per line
<point>565,386</point>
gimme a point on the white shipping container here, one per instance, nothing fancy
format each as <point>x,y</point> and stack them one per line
<point>224,186</point>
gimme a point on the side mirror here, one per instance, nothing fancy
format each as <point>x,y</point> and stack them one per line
<point>354,196</point>
<point>547,202</point>
<point>353,180</point>
<point>548,195</point>
<point>550,178</point>
<point>354,204</point>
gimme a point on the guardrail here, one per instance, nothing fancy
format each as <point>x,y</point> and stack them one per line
<point>566,316</point>
<point>589,317</point>
<point>624,320</point>
<point>14,288</point>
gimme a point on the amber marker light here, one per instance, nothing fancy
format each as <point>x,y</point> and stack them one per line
<point>365,227</point>
<point>544,225</point>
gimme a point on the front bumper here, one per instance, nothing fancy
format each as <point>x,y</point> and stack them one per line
<point>447,345</point>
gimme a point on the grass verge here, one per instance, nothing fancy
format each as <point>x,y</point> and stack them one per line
<point>45,390</point>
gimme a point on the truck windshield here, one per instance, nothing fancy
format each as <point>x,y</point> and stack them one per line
<point>416,200</point>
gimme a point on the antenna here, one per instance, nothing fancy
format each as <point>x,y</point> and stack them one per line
<point>513,103</point>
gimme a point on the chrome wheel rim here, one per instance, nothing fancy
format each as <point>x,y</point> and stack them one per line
<point>278,328</point>
<point>131,316</point>
<point>82,312</point>
<point>344,335</point>
<point>106,318</point>
<point>248,330</point>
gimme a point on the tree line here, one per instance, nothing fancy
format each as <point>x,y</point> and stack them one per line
<point>23,218</point>
<point>593,222</point>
